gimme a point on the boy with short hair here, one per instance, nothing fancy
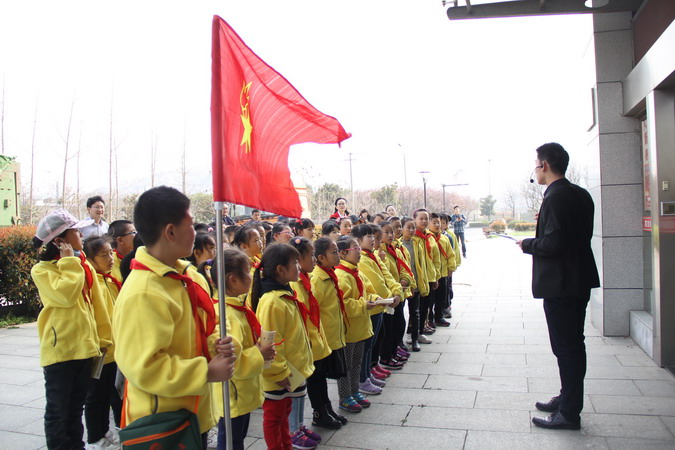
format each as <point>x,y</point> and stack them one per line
<point>159,327</point>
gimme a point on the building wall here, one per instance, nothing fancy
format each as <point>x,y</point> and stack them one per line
<point>615,182</point>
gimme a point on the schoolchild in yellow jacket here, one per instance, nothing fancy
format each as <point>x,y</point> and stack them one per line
<point>121,234</point>
<point>440,298</point>
<point>72,325</point>
<point>245,386</point>
<point>102,395</point>
<point>415,252</point>
<point>326,288</point>
<point>248,240</point>
<point>317,389</point>
<point>159,346</point>
<point>279,309</point>
<point>368,237</point>
<point>427,246</point>
<point>359,297</point>
<point>392,351</point>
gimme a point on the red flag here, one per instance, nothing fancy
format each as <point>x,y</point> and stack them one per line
<point>256,115</point>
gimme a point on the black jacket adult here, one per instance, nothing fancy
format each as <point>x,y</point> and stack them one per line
<point>562,260</point>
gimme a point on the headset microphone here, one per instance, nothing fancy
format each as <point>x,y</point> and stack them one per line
<point>532,174</point>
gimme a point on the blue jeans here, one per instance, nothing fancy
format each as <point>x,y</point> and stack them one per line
<point>376,320</point>
<point>295,419</point>
<point>65,391</point>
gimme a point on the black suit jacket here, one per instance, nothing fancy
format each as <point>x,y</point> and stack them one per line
<point>562,260</point>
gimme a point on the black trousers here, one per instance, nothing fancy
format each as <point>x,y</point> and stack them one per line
<point>414,313</point>
<point>424,308</point>
<point>399,326</point>
<point>98,402</point>
<point>388,343</point>
<point>460,237</point>
<point>438,300</point>
<point>65,392</point>
<point>565,318</point>
<point>239,431</point>
<point>451,293</point>
<point>317,388</point>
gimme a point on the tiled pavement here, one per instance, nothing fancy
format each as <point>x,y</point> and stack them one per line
<point>474,387</point>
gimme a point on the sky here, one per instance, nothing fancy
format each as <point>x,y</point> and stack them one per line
<point>468,101</point>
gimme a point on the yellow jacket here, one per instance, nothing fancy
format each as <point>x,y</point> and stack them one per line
<point>403,274</point>
<point>317,337</point>
<point>359,327</point>
<point>333,323</point>
<point>279,314</point>
<point>117,261</point>
<point>69,327</point>
<point>448,261</point>
<point>246,392</point>
<point>423,265</point>
<point>156,338</point>
<point>379,276</point>
<point>458,254</point>
<point>110,293</point>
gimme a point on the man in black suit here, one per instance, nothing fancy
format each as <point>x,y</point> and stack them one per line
<point>563,274</point>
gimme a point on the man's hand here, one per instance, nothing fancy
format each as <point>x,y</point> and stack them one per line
<point>520,243</point>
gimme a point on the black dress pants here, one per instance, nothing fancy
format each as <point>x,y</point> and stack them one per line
<point>565,318</point>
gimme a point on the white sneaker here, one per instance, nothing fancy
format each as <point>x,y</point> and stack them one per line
<point>113,435</point>
<point>422,339</point>
<point>101,444</point>
<point>408,339</point>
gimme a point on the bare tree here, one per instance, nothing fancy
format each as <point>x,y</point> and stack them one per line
<point>510,200</point>
<point>65,156</point>
<point>32,166</point>
<point>111,149</point>
<point>77,186</point>
<point>183,167</point>
<point>533,194</point>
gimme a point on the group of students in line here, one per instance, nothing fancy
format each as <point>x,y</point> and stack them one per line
<point>335,304</point>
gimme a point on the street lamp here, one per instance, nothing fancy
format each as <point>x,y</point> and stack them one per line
<point>446,185</point>
<point>425,176</point>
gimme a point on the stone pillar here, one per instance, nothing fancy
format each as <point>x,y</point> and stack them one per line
<point>616,182</point>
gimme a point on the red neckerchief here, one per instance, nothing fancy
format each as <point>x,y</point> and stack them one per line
<point>115,281</point>
<point>304,312</point>
<point>314,308</point>
<point>440,247</point>
<point>371,255</point>
<point>119,255</point>
<point>427,243</point>
<point>355,274</point>
<point>252,320</point>
<point>400,263</point>
<point>340,294</point>
<point>88,276</point>
<point>199,298</point>
<point>255,263</point>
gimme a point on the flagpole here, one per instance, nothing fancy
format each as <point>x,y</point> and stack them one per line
<point>222,295</point>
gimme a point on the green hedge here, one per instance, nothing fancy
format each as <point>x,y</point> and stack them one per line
<point>17,256</point>
<point>524,226</point>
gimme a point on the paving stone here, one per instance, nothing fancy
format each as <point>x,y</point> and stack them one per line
<point>481,440</point>
<point>468,419</point>
<point>486,340</point>
<point>16,440</point>
<point>21,377</point>
<point>381,414</point>
<point>636,359</point>
<point>621,425</point>
<point>642,444</point>
<point>493,384</point>
<point>456,348</point>
<point>619,404</point>
<point>356,435</point>
<point>520,371</point>
<point>481,358</point>
<point>13,417</point>
<point>591,386</point>
<point>21,362</point>
<point>656,388</point>
<point>670,423</point>
<point>518,401</point>
<point>19,395</point>
<point>428,397</point>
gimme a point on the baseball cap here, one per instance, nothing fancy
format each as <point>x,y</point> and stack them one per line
<point>55,223</point>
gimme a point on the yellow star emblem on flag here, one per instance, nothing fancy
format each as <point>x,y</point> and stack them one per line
<point>245,117</point>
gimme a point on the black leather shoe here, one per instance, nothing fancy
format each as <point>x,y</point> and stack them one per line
<point>551,406</point>
<point>416,346</point>
<point>322,418</point>
<point>442,323</point>
<point>342,419</point>
<point>556,421</point>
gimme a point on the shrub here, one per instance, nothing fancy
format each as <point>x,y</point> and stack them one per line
<point>512,223</point>
<point>525,226</point>
<point>17,257</point>
<point>478,224</point>
<point>498,226</point>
